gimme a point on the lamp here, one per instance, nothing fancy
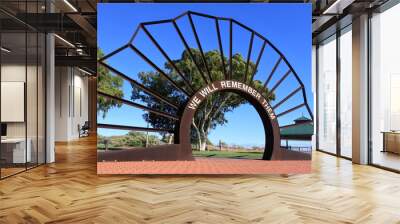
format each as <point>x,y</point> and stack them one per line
<point>64,40</point>
<point>5,50</point>
<point>84,71</point>
<point>337,7</point>
<point>70,5</point>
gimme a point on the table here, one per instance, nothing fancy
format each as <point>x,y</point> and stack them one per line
<point>13,150</point>
<point>391,141</point>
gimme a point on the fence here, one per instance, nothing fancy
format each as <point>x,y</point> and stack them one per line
<point>305,149</point>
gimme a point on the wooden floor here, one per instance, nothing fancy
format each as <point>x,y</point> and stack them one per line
<point>5,172</point>
<point>69,191</point>
<point>387,159</point>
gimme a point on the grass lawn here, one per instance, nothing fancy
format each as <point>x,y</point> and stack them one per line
<point>228,154</point>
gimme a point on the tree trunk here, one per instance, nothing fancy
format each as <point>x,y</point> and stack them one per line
<point>199,142</point>
<point>170,137</point>
<point>197,133</point>
<point>203,141</point>
<point>203,125</point>
<point>203,145</point>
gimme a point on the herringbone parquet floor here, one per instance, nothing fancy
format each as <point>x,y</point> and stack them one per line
<point>69,191</point>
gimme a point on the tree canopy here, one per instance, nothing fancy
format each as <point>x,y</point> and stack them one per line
<point>109,84</point>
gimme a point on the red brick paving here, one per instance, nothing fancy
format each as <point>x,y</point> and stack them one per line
<point>206,166</point>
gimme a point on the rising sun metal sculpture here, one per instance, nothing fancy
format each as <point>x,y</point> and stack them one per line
<point>181,149</point>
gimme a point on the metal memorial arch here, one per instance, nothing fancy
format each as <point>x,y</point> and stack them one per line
<point>182,113</point>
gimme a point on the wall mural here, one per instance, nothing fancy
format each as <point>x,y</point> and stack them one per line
<point>175,94</point>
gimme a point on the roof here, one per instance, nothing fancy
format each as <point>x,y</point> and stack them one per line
<point>302,131</point>
<point>302,118</point>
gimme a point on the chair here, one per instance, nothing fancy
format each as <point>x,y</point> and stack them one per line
<point>84,130</point>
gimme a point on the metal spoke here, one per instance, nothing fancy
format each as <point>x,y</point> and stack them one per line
<point>307,106</point>
<point>139,106</point>
<point>140,86</point>
<point>220,48</point>
<point>287,97</point>
<point>294,73</point>
<point>278,83</point>
<point>248,57</point>
<point>208,16</point>
<point>158,22</point>
<point>258,61</point>
<point>134,34</point>
<point>248,28</point>
<point>166,57</point>
<point>303,91</point>
<point>199,46</point>
<point>230,49</point>
<point>202,14</point>
<point>273,71</point>
<point>181,15</point>
<point>190,52</point>
<point>137,51</point>
<point>290,110</point>
<point>114,52</point>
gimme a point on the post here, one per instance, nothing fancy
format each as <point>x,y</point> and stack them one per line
<point>360,90</point>
<point>92,101</point>
<point>106,142</point>
<point>147,136</point>
<point>50,95</point>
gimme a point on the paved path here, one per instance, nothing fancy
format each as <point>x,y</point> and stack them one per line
<point>205,166</point>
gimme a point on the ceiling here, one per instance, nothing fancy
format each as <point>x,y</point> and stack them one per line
<point>75,22</point>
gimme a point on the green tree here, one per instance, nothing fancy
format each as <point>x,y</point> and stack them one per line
<point>109,84</point>
<point>211,112</point>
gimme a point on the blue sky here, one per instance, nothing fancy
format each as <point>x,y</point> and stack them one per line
<point>287,26</point>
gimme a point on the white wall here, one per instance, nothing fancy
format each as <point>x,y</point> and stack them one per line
<point>71,103</point>
<point>61,104</point>
<point>13,100</point>
<point>15,73</point>
<point>33,125</point>
<point>12,73</point>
